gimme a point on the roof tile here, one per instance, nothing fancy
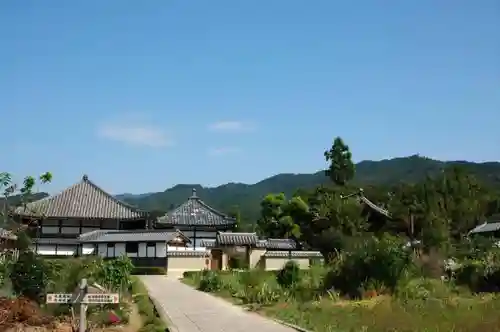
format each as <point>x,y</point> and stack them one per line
<point>237,239</point>
<point>82,200</point>
<point>195,212</point>
<point>130,236</point>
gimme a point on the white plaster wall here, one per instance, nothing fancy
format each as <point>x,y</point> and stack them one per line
<point>87,249</point>
<point>161,249</point>
<point>46,249</point>
<point>142,250</point>
<point>120,250</point>
<point>66,250</point>
<point>102,249</point>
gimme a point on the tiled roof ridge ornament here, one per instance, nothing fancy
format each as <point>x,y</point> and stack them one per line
<point>193,194</point>
<point>85,177</point>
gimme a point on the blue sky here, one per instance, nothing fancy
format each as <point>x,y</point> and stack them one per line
<point>143,95</point>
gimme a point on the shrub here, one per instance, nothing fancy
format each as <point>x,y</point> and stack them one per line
<point>480,275</point>
<point>210,281</point>
<point>28,276</point>
<point>378,263</point>
<point>115,273</point>
<point>288,275</point>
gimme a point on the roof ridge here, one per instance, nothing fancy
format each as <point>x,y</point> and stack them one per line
<point>208,207</point>
<point>85,179</point>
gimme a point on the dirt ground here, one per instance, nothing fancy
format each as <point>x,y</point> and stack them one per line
<point>23,315</point>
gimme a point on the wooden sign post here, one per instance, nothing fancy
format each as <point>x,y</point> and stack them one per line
<point>83,298</point>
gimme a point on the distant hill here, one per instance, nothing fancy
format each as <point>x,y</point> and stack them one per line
<point>248,196</point>
<point>15,200</point>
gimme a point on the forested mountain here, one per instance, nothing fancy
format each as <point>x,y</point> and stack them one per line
<point>246,198</point>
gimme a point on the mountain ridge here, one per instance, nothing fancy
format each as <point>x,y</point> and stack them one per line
<point>245,198</point>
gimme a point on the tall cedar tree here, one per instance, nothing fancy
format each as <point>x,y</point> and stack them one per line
<point>341,169</point>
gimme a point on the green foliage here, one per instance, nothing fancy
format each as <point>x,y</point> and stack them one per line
<point>375,265</point>
<point>341,169</point>
<point>28,276</point>
<point>480,274</point>
<point>150,318</point>
<point>383,174</point>
<point>210,281</point>
<point>289,275</point>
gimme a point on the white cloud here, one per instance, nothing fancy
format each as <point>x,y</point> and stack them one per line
<point>230,127</point>
<point>135,134</point>
<point>222,151</point>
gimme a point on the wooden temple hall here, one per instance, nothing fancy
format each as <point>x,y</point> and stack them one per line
<point>57,222</point>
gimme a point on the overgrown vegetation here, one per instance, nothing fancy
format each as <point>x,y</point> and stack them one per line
<point>407,264</point>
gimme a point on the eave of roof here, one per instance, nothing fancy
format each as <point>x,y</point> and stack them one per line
<point>195,212</point>
<point>108,236</point>
<point>486,228</point>
<point>83,200</point>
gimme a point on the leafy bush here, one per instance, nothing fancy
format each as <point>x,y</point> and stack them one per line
<point>288,275</point>
<point>378,263</point>
<point>210,281</point>
<point>28,276</point>
<point>480,275</point>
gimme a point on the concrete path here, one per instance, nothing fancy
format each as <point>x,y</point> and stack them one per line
<point>194,311</point>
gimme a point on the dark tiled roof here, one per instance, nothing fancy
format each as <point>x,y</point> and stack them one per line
<point>486,227</point>
<point>130,236</point>
<point>277,244</point>
<point>83,200</point>
<point>7,235</point>
<point>207,243</point>
<point>195,212</point>
<point>236,239</point>
<point>296,254</point>
<point>56,241</point>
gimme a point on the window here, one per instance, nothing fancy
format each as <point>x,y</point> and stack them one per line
<point>131,247</point>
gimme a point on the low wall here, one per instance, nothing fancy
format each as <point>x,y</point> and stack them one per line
<point>275,260</point>
<point>181,261</point>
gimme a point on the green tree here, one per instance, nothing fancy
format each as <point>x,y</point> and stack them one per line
<point>21,195</point>
<point>341,169</point>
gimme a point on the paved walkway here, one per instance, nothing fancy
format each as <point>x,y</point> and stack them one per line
<point>194,311</point>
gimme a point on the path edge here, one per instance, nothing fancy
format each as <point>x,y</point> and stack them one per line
<point>163,315</point>
<point>295,327</point>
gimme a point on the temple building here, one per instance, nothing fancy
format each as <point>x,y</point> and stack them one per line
<point>196,220</point>
<point>55,222</point>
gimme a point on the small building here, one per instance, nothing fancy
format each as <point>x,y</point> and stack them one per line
<point>55,222</point>
<point>196,220</point>
<point>145,248</point>
<point>487,229</point>
<point>270,254</point>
